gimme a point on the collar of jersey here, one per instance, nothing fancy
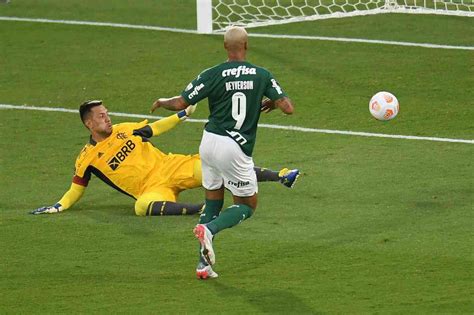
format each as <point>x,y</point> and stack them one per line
<point>92,141</point>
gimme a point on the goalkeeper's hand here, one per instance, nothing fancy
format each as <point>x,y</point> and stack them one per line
<point>51,209</point>
<point>188,111</point>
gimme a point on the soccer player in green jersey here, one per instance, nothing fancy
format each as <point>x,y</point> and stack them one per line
<point>235,90</point>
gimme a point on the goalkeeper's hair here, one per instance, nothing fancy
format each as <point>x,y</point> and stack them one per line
<point>86,107</point>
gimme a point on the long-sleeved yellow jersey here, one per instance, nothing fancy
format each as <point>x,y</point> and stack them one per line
<point>130,164</point>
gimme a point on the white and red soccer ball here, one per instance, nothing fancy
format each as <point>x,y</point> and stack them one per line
<point>384,106</point>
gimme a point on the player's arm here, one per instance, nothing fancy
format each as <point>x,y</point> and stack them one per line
<point>174,103</point>
<point>284,104</point>
<point>73,195</point>
<point>163,125</point>
<point>194,92</point>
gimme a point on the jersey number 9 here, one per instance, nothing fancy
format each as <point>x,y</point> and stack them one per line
<point>239,109</point>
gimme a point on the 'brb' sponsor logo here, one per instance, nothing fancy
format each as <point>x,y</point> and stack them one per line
<point>196,91</point>
<point>121,155</point>
<point>240,70</point>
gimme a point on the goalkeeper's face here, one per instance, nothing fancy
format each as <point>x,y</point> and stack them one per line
<point>99,121</point>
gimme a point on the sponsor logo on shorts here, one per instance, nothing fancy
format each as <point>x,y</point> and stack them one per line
<point>239,184</point>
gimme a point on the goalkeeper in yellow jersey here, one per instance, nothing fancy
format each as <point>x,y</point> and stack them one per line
<point>122,156</point>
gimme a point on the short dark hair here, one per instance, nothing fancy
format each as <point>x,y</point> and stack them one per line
<point>86,107</point>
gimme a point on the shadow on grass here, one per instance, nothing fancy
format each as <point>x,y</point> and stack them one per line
<point>272,301</point>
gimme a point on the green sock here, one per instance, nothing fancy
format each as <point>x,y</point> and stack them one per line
<point>212,209</point>
<point>230,217</point>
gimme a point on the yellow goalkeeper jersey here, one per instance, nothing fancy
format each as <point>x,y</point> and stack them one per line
<point>129,163</point>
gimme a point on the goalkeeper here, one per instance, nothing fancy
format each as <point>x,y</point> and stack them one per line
<point>122,156</point>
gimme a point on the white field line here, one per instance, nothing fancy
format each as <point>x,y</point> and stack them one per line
<point>291,128</point>
<point>178,30</point>
<point>118,25</point>
<point>363,40</point>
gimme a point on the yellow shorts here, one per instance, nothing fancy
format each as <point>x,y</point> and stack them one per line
<point>178,173</point>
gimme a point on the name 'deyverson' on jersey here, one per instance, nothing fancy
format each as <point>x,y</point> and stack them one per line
<point>239,85</point>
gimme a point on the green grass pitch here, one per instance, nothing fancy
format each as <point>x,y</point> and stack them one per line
<point>374,225</point>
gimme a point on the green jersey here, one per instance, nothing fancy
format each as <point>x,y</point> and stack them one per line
<point>235,91</point>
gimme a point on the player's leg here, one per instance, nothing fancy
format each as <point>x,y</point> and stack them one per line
<point>214,185</point>
<point>224,161</point>
<point>285,176</point>
<point>163,189</point>
<point>212,208</point>
<point>213,205</point>
<point>162,201</point>
<point>197,170</point>
<point>242,182</point>
<point>266,175</point>
<point>190,174</point>
<point>238,171</point>
<point>242,209</point>
<point>173,208</point>
<point>181,172</point>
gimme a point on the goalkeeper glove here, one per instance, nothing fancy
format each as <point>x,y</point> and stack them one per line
<point>51,209</point>
<point>185,113</point>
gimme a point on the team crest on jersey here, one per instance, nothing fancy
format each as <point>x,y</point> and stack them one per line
<point>122,135</point>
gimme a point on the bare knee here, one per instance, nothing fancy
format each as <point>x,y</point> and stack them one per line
<point>141,207</point>
<point>248,201</point>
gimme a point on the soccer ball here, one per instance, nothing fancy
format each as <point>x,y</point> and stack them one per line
<point>384,106</point>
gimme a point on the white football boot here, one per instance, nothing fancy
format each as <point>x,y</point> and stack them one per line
<point>204,272</point>
<point>204,236</point>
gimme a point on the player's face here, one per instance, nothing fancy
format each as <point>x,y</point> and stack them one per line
<point>99,121</point>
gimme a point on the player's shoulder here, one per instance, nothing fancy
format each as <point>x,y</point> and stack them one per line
<point>210,72</point>
<point>84,153</point>
<point>121,127</point>
<point>84,158</point>
<point>256,69</point>
<point>262,70</point>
